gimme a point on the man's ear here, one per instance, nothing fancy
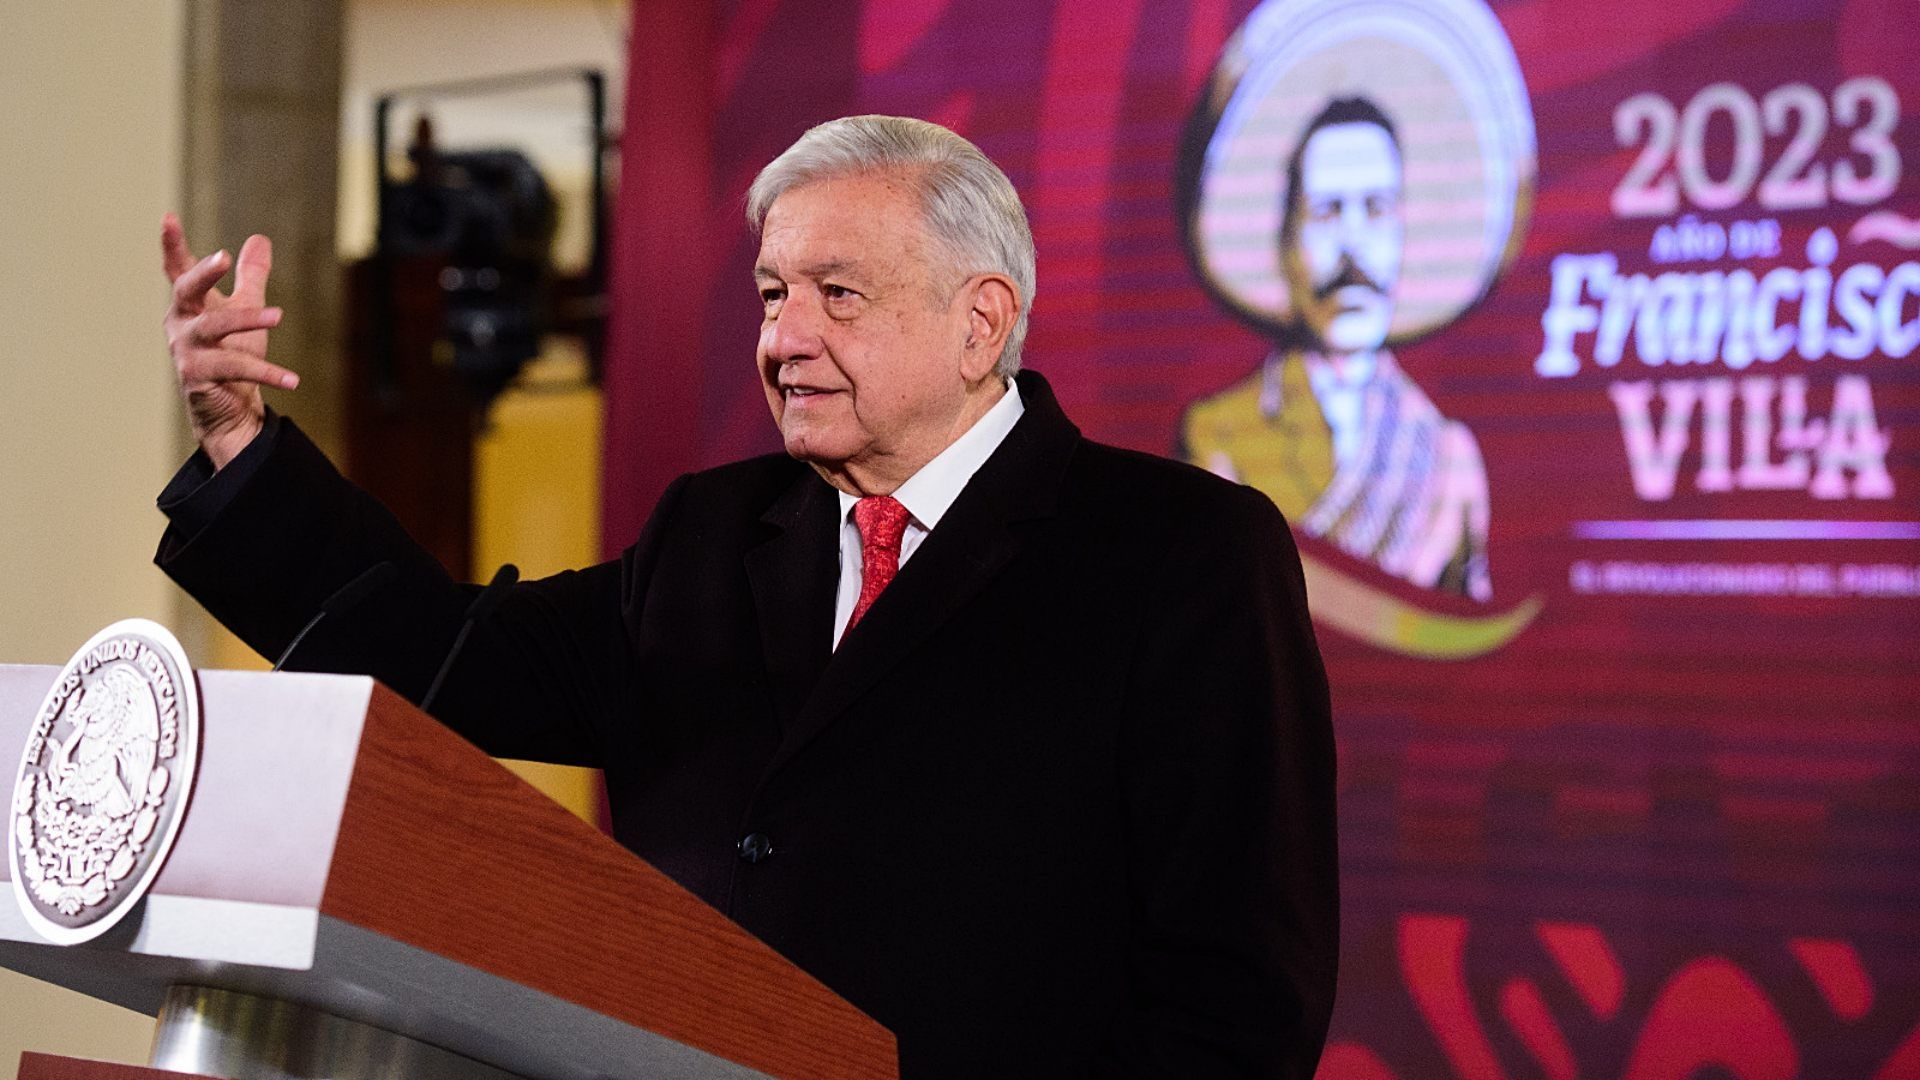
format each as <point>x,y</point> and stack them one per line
<point>993,308</point>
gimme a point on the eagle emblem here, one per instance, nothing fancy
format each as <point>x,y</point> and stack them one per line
<point>103,781</point>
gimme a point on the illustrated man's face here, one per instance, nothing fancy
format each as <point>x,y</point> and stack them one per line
<point>863,330</point>
<point>1341,253</point>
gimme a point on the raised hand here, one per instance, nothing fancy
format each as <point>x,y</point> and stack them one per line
<point>219,342</point>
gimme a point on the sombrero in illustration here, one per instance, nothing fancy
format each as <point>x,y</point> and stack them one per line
<point>1357,175</point>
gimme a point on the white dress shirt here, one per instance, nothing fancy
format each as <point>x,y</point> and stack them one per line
<point>927,494</point>
<point>1341,393</point>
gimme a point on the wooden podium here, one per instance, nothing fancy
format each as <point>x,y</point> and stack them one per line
<point>347,861</point>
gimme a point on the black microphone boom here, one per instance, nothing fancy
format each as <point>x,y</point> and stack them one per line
<point>345,597</point>
<point>481,607</point>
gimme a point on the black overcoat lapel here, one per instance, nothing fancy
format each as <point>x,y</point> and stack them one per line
<point>974,541</point>
<point>792,574</point>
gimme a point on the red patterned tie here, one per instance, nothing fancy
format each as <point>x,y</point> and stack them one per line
<point>882,521</point>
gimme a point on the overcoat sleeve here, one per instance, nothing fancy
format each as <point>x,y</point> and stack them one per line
<point>539,679</point>
<point>1228,779</point>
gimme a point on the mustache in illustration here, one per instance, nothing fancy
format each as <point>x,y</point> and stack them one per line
<point>1348,273</point>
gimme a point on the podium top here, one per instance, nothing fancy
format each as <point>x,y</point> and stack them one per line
<point>346,851</point>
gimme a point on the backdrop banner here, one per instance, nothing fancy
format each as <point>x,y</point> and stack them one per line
<point>1578,343</point>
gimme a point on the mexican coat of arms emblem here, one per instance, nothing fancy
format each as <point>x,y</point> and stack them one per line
<point>103,781</point>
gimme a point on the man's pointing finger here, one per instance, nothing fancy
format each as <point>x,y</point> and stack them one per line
<point>256,262</point>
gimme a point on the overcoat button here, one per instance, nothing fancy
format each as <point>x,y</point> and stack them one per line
<point>754,847</point>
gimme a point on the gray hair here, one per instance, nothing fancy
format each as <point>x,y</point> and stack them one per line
<point>968,205</point>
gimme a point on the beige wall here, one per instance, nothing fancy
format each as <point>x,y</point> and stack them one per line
<point>90,119</point>
<point>89,106</point>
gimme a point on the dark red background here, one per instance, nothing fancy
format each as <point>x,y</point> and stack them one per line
<point>1651,837</point>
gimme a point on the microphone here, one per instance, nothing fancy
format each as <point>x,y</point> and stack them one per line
<point>481,607</point>
<point>347,596</point>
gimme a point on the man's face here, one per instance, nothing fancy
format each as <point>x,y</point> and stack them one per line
<point>1345,253</point>
<point>863,333</point>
